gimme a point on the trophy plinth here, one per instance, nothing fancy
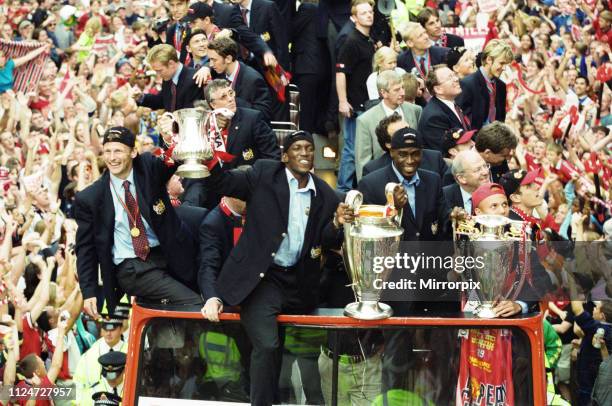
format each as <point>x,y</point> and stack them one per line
<point>485,311</point>
<point>192,168</point>
<point>368,310</point>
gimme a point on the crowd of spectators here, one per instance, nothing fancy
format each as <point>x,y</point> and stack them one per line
<point>548,77</point>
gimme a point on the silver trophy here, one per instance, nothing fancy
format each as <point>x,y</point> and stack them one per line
<point>376,232</point>
<point>193,146</point>
<point>503,245</point>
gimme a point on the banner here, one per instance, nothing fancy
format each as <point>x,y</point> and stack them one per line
<point>485,370</point>
<point>27,76</point>
<point>474,37</point>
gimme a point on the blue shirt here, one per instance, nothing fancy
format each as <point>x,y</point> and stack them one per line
<point>410,187</point>
<point>175,78</point>
<point>6,76</point>
<point>122,247</point>
<point>467,200</point>
<point>299,206</point>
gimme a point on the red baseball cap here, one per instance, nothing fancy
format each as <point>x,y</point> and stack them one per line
<point>486,190</point>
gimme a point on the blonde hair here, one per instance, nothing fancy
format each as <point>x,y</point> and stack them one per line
<point>355,3</point>
<point>382,55</point>
<point>93,26</point>
<point>162,53</point>
<point>118,98</point>
<point>411,86</point>
<point>408,29</point>
<point>497,48</point>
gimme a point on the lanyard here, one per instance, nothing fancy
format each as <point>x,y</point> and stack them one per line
<point>418,65</point>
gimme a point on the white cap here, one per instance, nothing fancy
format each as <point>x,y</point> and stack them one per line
<point>607,228</point>
<point>66,12</point>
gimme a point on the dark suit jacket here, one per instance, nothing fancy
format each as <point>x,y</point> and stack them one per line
<point>216,242</point>
<point>453,40</point>
<point>452,194</point>
<point>436,120</point>
<point>95,215</point>
<point>309,53</point>
<point>437,56</point>
<point>252,91</point>
<point>249,139</point>
<point>170,39</point>
<point>265,17</point>
<point>430,160</point>
<point>474,99</point>
<point>229,16</point>
<point>265,189</point>
<point>186,93</point>
<point>431,210</point>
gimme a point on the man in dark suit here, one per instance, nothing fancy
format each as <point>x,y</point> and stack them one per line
<point>225,16</point>
<point>275,267</point>
<point>250,87</point>
<point>264,18</point>
<point>429,18</point>
<point>245,135</point>
<point>310,68</point>
<point>441,113</point>
<point>420,55</point>
<point>469,171</point>
<point>179,90</point>
<point>431,160</point>
<point>425,212</point>
<point>128,228</point>
<point>483,94</point>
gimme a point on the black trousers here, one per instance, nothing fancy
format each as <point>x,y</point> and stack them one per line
<point>149,281</point>
<point>276,293</point>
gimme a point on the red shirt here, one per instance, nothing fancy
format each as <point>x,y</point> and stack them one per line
<point>600,35</point>
<point>23,387</point>
<point>564,170</point>
<point>32,340</point>
<point>532,163</point>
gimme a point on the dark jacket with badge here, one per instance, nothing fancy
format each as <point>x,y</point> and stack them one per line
<point>474,99</point>
<point>249,139</point>
<point>266,190</point>
<point>267,22</point>
<point>252,91</point>
<point>431,222</point>
<point>94,212</point>
<point>186,93</point>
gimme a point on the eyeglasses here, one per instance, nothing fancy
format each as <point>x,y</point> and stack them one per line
<point>229,94</point>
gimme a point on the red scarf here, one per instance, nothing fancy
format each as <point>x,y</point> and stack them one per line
<point>238,221</point>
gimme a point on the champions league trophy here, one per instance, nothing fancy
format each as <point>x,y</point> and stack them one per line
<point>193,146</point>
<point>503,245</point>
<point>376,232</point>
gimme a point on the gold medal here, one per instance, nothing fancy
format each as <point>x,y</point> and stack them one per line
<point>135,232</point>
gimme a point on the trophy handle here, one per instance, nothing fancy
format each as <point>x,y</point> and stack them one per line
<point>389,189</point>
<point>174,122</point>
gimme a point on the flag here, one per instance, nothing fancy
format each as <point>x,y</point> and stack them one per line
<point>27,76</point>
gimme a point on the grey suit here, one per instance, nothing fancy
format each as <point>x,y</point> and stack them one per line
<point>366,143</point>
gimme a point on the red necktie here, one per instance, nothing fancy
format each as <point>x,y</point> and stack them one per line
<point>141,242</point>
<point>465,120</point>
<point>491,89</point>
<point>173,91</point>
<point>422,63</point>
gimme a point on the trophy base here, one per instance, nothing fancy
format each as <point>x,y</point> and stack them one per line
<point>485,311</point>
<point>368,310</point>
<point>192,170</point>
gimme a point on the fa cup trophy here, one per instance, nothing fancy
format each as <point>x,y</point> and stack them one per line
<point>376,232</point>
<point>503,247</point>
<point>193,146</point>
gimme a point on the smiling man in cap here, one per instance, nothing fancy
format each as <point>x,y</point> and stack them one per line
<point>128,228</point>
<point>425,211</point>
<point>275,266</point>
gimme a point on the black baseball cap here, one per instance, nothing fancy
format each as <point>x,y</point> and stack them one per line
<point>198,10</point>
<point>119,134</point>
<point>406,138</point>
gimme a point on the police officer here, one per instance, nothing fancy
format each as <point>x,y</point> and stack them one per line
<point>88,369</point>
<point>106,399</point>
<point>111,381</point>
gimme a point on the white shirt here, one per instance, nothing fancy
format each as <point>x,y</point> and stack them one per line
<point>388,111</point>
<point>451,105</point>
<point>104,348</point>
<point>233,75</point>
